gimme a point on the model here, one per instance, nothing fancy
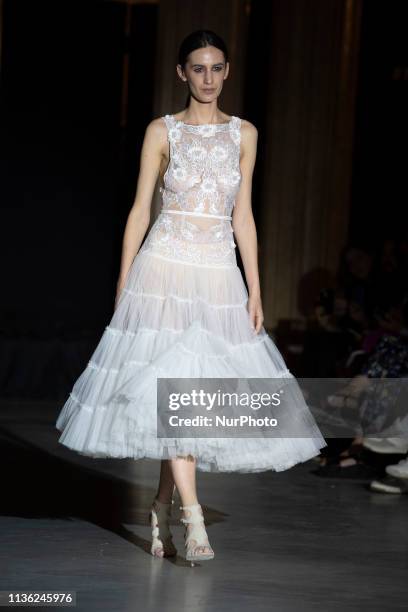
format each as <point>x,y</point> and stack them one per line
<point>182,309</point>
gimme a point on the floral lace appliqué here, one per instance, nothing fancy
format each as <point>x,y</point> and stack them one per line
<point>200,187</point>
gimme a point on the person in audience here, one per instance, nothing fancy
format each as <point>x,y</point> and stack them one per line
<point>387,359</point>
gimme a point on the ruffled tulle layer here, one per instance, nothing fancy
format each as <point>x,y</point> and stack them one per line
<point>177,320</point>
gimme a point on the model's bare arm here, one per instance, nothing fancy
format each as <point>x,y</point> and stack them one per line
<point>138,220</point>
<point>244,225</point>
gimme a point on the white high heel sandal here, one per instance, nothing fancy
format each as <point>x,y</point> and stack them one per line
<point>195,536</point>
<point>159,516</point>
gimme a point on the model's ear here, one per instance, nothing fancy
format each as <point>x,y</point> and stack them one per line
<point>180,72</point>
<point>226,70</point>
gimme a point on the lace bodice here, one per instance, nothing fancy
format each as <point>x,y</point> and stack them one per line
<point>200,187</point>
<point>203,174</point>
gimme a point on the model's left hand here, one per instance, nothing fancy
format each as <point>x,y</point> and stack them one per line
<point>255,312</point>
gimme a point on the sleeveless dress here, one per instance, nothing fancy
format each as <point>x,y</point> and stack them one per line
<point>183,314</point>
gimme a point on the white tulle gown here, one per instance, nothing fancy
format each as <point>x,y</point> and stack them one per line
<point>182,313</point>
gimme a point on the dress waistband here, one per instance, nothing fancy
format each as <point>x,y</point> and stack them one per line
<point>195,214</point>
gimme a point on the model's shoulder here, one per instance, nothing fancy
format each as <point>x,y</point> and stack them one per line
<point>156,132</point>
<point>249,135</point>
<point>157,125</point>
<point>248,127</point>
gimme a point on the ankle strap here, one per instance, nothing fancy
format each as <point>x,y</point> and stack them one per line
<point>194,520</point>
<point>196,514</point>
<point>192,506</point>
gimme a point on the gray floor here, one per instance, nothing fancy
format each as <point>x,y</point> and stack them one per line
<point>286,541</point>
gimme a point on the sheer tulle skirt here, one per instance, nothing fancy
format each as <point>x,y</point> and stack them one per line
<point>177,320</point>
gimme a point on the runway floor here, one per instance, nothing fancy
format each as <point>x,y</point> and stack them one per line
<point>284,542</point>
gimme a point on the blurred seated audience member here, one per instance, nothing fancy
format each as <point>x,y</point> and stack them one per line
<point>388,359</point>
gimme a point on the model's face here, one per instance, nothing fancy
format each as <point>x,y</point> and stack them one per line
<point>205,73</point>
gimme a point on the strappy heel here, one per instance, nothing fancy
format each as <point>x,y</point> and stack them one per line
<point>159,517</point>
<point>195,536</point>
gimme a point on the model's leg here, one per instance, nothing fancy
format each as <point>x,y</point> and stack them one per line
<point>184,476</point>
<point>183,471</point>
<point>166,483</point>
